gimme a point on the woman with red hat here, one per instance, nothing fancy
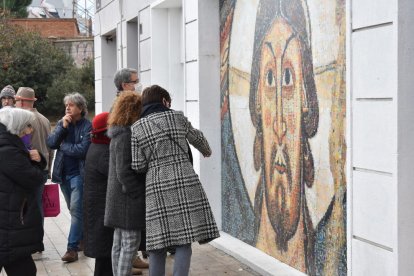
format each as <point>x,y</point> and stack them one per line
<point>96,237</point>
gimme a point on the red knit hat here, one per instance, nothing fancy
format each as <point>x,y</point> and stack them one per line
<point>99,126</point>
<point>100,122</point>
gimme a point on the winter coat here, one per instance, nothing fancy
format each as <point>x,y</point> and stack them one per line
<point>21,230</point>
<point>57,140</point>
<point>125,198</point>
<point>177,208</point>
<point>96,237</point>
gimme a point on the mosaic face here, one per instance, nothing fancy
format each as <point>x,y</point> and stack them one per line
<point>280,93</point>
<point>283,97</point>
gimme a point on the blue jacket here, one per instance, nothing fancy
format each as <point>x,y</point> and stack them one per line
<point>57,140</point>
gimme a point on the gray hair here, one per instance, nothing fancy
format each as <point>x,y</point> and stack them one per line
<point>15,119</point>
<point>79,100</point>
<point>123,76</point>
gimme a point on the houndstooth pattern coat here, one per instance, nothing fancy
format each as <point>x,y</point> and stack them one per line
<point>177,209</point>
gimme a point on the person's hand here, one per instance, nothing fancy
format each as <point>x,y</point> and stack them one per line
<point>34,155</point>
<point>67,119</point>
<point>208,154</point>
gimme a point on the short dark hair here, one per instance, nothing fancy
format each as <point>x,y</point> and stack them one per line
<point>154,94</point>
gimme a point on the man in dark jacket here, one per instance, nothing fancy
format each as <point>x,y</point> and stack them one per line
<point>71,139</point>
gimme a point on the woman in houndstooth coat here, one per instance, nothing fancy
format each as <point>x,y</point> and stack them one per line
<point>177,209</point>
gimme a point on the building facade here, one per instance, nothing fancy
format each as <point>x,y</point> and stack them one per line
<point>64,33</point>
<point>307,107</point>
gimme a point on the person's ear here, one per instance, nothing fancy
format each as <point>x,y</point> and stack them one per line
<point>124,86</point>
<point>164,102</point>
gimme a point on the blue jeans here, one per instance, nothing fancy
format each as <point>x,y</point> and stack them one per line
<point>72,189</point>
<point>182,260</point>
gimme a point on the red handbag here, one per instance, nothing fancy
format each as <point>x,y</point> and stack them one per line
<point>50,200</point>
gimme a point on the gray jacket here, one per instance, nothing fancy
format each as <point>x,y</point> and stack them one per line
<point>125,196</point>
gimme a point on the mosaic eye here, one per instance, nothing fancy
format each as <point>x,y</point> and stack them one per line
<point>270,78</point>
<point>287,77</point>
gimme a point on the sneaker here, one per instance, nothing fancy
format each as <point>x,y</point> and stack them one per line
<point>70,256</point>
<point>138,263</point>
<point>136,271</point>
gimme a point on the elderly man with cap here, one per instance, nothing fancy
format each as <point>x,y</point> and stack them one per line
<point>7,96</point>
<point>25,99</point>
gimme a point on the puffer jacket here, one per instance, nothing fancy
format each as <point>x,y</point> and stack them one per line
<point>21,230</point>
<point>57,139</point>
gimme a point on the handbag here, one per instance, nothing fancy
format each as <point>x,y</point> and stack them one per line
<point>50,200</point>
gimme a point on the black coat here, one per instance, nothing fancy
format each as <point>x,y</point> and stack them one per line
<point>125,199</point>
<point>21,230</point>
<point>97,238</point>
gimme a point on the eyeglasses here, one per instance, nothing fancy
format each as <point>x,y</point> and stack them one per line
<point>134,82</point>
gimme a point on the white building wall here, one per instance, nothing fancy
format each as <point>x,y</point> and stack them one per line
<point>374,90</point>
<point>405,134</point>
<point>382,134</point>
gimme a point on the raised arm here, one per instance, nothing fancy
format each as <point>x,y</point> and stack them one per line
<point>55,139</point>
<point>80,149</point>
<point>196,138</point>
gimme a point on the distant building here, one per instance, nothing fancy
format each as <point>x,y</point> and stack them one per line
<point>64,33</point>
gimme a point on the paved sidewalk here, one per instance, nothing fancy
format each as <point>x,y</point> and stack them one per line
<point>206,260</point>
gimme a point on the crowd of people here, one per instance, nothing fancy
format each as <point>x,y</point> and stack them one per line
<point>127,179</point>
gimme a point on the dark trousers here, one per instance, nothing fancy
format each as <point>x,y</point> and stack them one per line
<point>103,267</point>
<point>24,266</point>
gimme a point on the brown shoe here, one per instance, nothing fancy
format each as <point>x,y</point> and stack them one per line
<point>70,256</point>
<point>138,263</point>
<point>136,271</point>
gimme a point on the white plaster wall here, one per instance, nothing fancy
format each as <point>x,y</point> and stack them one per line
<point>405,137</point>
<point>159,43</point>
<point>132,44</point>
<point>191,10</point>
<point>109,16</point>
<point>209,95</point>
<point>372,77</point>
<point>370,13</point>
<point>373,200</point>
<point>367,260</point>
<point>373,138</point>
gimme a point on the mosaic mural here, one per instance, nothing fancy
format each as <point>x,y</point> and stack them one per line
<point>283,107</point>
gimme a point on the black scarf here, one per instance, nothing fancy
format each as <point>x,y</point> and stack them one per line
<point>153,108</point>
